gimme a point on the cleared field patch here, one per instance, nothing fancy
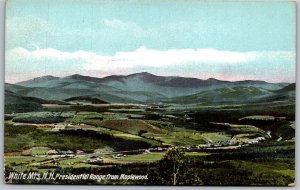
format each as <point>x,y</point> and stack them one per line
<point>178,138</point>
<point>216,136</point>
<point>197,154</point>
<point>144,157</point>
<point>82,116</point>
<point>134,127</point>
<point>126,135</point>
<point>39,150</point>
<point>238,129</point>
<point>21,160</point>
<point>259,117</point>
<point>73,162</point>
<point>189,137</point>
<point>93,118</point>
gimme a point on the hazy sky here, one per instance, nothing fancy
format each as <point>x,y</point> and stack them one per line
<point>227,41</point>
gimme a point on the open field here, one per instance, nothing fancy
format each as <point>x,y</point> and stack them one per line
<point>99,137</point>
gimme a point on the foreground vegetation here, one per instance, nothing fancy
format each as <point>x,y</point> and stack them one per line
<point>179,168</point>
<point>207,145</point>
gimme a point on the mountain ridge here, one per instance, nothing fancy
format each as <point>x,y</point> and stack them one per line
<point>133,88</point>
<point>145,75</point>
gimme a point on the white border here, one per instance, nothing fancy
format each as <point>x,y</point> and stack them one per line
<point>99,187</point>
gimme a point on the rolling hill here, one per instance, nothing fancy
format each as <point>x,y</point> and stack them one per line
<point>85,99</point>
<point>16,103</point>
<point>145,87</point>
<point>288,88</point>
<point>239,94</point>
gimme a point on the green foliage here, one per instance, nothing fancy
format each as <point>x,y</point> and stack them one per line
<point>242,173</point>
<point>266,163</point>
<point>173,170</point>
<point>51,119</point>
<point>131,126</point>
<point>144,157</point>
<point>21,137</point>
<point>39,117</point>
<point>22,107</point>
<point>286,131</point>
<point>116,143</point>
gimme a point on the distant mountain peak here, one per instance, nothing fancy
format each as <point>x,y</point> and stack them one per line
<point>142,81</point>
<point>38,79</point>
<point>213,79</point>
<point>141,74</point>
<point>76,76</point>
<point>46,77</point>
<point>84,78</point>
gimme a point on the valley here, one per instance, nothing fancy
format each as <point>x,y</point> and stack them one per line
<point>129,123</point>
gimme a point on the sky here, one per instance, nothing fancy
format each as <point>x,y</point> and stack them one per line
<point>202,39</point>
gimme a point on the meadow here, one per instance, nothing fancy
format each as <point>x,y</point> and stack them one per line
<point>219,142</point>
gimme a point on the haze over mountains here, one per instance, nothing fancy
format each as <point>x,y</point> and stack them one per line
<point>145,87</point>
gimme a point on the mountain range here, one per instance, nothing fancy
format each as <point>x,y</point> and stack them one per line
<point>145,87</point>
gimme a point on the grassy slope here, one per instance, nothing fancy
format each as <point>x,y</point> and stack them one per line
<point>131,126</point>
<point>228,94</point>
<point>15,103</point>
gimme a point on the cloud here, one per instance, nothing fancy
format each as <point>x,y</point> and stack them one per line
<point>148,57</point>
<point>49,53</point>
<point>55,61</point>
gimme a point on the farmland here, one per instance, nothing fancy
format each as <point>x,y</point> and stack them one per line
<point>40,141</point>
<point>221,140</point>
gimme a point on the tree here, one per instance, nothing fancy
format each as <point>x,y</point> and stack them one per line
<point>177,169</point>
<point>141,132</point>
<point>172,166</point>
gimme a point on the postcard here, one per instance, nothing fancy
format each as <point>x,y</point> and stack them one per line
<point>151,92</point>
